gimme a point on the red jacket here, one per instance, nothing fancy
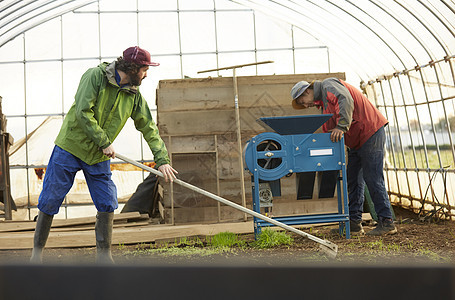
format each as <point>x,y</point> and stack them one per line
<point>352,111</point>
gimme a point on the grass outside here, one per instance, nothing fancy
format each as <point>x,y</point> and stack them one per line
<point>421,160</point>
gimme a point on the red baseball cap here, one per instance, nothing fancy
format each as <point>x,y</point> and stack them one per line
<point>138,56</point>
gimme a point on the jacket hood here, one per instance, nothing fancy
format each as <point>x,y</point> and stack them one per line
<point>109,70</point>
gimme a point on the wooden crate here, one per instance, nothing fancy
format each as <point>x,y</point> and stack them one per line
<point>196,119</point>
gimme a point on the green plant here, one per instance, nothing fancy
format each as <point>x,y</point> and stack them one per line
<point>431,255</point>
<point>173,251</point>
<point>393,247</point>
<point>185,252</point>
<point>185,242</point>
<point>410,245</point>
<point>182,241</point>
<point>226,240</point>
<point>198,241</point>
<point>121,246</point>
<point>141,246</point>
<point>269,238</point>
<point>379,245</point>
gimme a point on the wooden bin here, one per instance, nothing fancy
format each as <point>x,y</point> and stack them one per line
<point>196,119</point>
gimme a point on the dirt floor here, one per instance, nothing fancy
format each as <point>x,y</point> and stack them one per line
<point>416,242</point>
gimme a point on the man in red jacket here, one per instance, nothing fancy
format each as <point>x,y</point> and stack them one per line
<point>362,125</point>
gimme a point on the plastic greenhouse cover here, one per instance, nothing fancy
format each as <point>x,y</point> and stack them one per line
<point>371,37</point>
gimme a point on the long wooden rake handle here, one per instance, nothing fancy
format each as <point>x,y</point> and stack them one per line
<point>328,247</point>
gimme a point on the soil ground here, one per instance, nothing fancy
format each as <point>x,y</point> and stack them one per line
<point>416,242</point>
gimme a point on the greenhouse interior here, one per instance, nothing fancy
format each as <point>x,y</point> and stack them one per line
<point>227,149</point>
<point>398,53</point>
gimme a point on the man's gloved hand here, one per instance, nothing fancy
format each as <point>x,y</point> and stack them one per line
<point>168,172</point>
<point>109,151</point>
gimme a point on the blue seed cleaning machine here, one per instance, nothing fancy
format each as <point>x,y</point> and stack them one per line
<point>293,147</point>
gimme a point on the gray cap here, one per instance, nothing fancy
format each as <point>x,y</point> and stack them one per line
<point>298,89</point>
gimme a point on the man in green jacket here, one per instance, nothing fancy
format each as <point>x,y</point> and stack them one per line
<point>106,97</point>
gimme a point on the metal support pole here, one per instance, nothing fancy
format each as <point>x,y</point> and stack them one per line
<point>239,141</point>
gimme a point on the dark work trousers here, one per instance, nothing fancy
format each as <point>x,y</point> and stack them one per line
<point>365,165</point>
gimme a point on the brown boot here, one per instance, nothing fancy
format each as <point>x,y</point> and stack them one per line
<point>355,227</point>
<point>385,226</point>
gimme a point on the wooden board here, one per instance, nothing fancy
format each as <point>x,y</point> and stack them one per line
<point>183,215</point>
<point>190,144</point>
<point>183,123</point>
<point>138,234</point>
<point>92,226</point>
<point>30,225</point>
<point>217,93</point>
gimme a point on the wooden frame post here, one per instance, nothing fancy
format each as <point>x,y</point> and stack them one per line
<point>237,124</point>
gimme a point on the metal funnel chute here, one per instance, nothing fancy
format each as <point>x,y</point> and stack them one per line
<point>294,124</point>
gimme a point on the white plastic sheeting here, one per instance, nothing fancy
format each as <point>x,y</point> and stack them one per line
<point>373,37</point>
<point>18,16</point>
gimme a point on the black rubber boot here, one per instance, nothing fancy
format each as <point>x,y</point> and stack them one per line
<point>103,232</point>
<point>43,226</point>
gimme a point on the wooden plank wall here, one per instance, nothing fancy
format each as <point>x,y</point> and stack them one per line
<point>196,119</point>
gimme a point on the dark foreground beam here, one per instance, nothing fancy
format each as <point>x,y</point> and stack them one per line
<point>226,282</point>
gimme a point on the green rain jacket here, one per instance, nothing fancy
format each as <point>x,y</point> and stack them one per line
<point>100,110</point>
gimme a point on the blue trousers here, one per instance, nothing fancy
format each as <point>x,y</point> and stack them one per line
<point>59,178</point>
<point>365,165</point>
